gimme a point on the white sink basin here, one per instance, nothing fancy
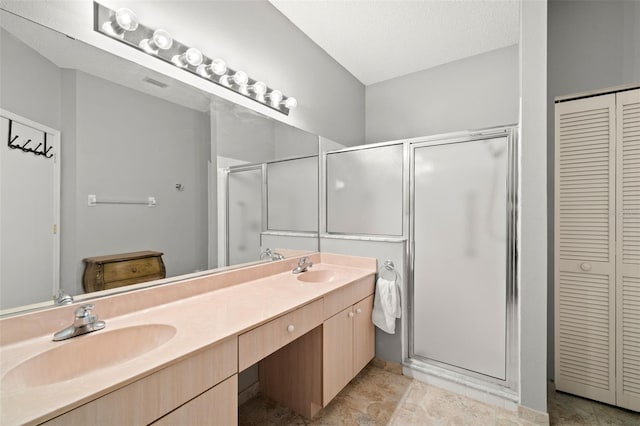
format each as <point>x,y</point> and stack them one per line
<point>83,354</point>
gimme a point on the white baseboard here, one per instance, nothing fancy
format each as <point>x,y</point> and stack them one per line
<point>534,416</point>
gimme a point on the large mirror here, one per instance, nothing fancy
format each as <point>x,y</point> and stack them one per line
<point>133,162</point>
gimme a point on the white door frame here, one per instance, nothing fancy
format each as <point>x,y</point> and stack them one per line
<point>55,135</point>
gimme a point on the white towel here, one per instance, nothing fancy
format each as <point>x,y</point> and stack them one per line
<point>386,305</point>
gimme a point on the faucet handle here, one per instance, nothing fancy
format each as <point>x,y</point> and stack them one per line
<point>302,261</point>
<point>84,311</point>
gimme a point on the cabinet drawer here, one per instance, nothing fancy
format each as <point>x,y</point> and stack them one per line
<point>348,295</point>
<point>131,269</point>
<point>268,338</point>
<point>153,396</point>
<point>217,406</point>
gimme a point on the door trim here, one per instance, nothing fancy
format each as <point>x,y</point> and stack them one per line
<point>55,134</point>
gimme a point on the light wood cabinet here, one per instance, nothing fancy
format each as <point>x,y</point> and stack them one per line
<point>306,373</point>
<point>217,406</point>
<point>256,344</point>
<point>348,345</point>
<point>597,247</point>
<point>364,335</point>
<point>293,374</point>
<point>156,395</point>
<point>337,354</point>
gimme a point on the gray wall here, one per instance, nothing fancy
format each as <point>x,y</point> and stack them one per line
<point>472,93</point>
<point>249,139</point>
<point>29,87</point>
<point>30,83</point>
<point>243,135</point>
<point>128,146</point>
<point>591,45</point>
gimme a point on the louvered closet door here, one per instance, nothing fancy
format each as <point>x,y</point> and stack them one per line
<point>585,247</point>
<point>628,249</point>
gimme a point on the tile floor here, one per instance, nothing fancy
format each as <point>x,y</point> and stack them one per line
<point>380,397</point>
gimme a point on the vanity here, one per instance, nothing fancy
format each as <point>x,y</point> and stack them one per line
<point>171,354</point>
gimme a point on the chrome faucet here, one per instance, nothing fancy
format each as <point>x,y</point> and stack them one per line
<point>62,298</point>
<point>84,323</point>
<point>271,255</point>
<point>303,265</point>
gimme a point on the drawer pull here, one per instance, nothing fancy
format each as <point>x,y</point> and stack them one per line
<point>351,314</point>
<point>585,266</point>
<point>358,311</point>
<point>290,328</point>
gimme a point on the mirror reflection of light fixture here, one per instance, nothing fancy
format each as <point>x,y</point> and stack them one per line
<point>225,80</point>
<point>123,25</point>
<point>191,56</point>
<point>216,67</point>
<point>240,78</point>
<point>121,21</point>
<point>275,97</point>
<point>291,103</point>
<point>161,40</point>
<point>259,88</point>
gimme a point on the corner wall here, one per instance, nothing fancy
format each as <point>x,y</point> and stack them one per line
<point>532,263</point>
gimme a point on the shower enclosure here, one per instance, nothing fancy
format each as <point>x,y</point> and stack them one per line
<point>244,214</point>
<point>462,315</point>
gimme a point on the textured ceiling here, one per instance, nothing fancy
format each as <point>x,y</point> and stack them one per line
<point>378,40</point>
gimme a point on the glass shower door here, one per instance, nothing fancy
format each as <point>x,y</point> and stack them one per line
<point>460,254</point>
<point>244,214</point>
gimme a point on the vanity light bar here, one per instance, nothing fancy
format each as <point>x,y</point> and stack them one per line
<point>123,25</point>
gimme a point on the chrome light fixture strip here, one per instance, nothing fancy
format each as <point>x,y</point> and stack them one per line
<point>122,25</point>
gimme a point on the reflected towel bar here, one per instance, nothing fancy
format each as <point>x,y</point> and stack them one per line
<point>92,201</point>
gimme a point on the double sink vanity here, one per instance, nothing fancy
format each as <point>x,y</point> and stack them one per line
<point>171,354</point>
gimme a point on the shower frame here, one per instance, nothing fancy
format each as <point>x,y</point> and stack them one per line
<point>239,169</point>
<point>444,370</point>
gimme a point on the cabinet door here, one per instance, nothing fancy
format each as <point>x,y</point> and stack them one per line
<point>585,247</point>
<point>628,250</point>
<point>217,406</point>
<point>337,354</point>
<point>363,335</point>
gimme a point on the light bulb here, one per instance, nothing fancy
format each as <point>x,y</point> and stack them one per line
<point>224,80</point>
<point>161,40</point>
<point>123,20</point>
<point>276,97</point>
<point>290,103</point>
<point>216,66</point>
<point>191,57</point>
<point>240,78</point>
<point>259,88</point>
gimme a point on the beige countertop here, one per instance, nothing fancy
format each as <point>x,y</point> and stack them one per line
<point>201,320</point>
